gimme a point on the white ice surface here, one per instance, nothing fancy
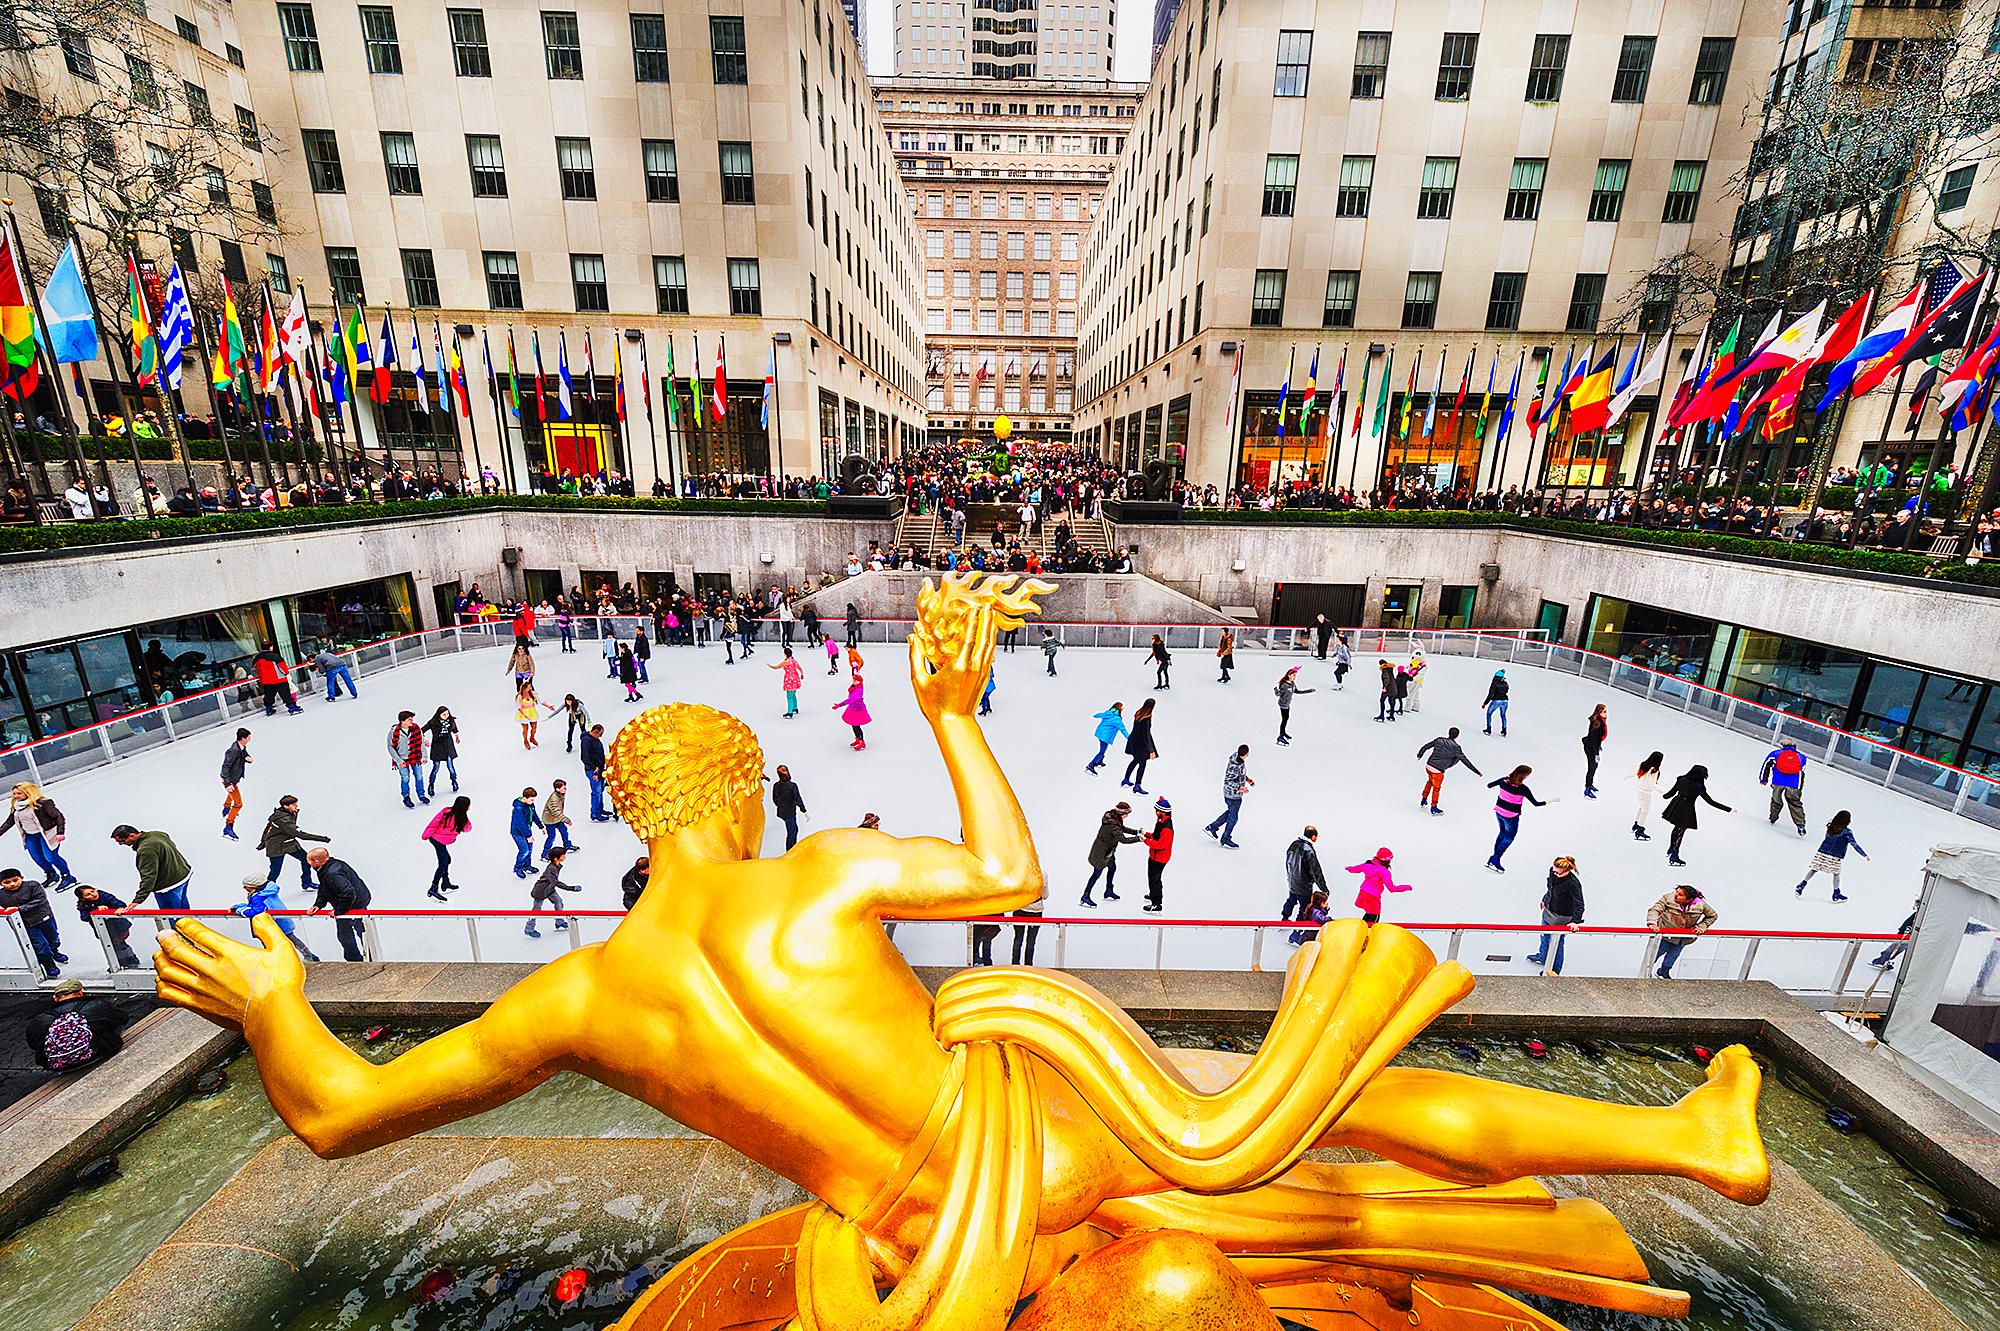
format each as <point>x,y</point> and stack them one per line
<point>1355,778</point>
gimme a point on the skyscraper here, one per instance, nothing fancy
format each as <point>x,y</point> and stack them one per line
<point>1005,39</point>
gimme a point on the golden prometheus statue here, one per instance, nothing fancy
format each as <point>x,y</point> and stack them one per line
<point>1016,1152</point>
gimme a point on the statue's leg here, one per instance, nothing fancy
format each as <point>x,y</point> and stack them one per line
<point>1162,1280</point>
<point>1469,1130</point>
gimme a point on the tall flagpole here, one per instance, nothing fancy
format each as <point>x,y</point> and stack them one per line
<point>471,417</point>
<point>132,397</point>
<point>55,376</point>
<point>646,405</point>
<point>221,430</point>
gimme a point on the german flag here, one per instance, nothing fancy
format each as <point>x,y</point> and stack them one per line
<point>1590,400</point>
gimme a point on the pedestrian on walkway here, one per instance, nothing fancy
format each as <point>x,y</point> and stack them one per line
<point>406,757</point>
<point>43,830</point>
<point>1562,907</point>
<point>1049,648</point>
<point>1445,754</point>
<point>547,892</point>
<point>791,677</point>
<point>1343,660</point>
<point>1647,781</point>
<point>335,671</point>
<point>853,711</point>
<point>274,680</point>
<point>1103,857</point>
<point>441,832</point>
<point>1375,880</point>
<point>163,870</point>
<point>1832,853</point>
<point>789,804</point>
<point>1507,805</point>
<point>89,901</point>
<point>1785,773</point>
<point>1689,789</point>
<point>1496,702</point>
<point>1159,850</point>
<point>1110,727</point>
<point>1595,731</point>
<point>555,818</point>
<point>261,898</point>
<point>521,825</point>
<point>30,904</point>
<point>1235,782</point>
<point>1139,749</point>
<point>1678,917</point>
<point>281,837</point>
<point>442,733</point>
<point>1225,653</point>
<point>343,894</point>
<point>1303,876</point>
<point>578,719</point>
<point>1162,660</point>
<point>642,654</point>
<point>235,760</point>
<point>592,757</point>
<point>1287,688</point>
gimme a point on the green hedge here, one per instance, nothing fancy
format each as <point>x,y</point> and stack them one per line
<point>74,535</point>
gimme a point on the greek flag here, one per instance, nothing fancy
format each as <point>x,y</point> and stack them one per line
<point>176,328</point>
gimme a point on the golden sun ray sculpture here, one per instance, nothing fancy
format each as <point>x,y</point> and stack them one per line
<point>1015,1152</point>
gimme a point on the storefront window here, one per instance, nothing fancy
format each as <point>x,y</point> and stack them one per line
<point>1595,459</point>
<point>1271,457</point>
<point>1445,458</point>
<point>1177,432</point>
<point>1943,716</point>
<point>739,445</point>
<point>1675,643</point>
<point>1982,754</point>
<point>1455,605</point>
<point>829,433</point>
<point>1803,678</point>
<point>73,685</point>
<point>1399,605</point>
<point>343,617</point>
<point>196,652</point>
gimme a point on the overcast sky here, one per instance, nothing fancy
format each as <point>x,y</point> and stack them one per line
<point>1135,39</point>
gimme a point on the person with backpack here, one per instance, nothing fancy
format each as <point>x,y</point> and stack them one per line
<point>1162,660</point>
<point>1496,701</point>
<point>1785,773</point>
<point>1832,853</point>
<point>74,1034</point>
<point>1286,690</point>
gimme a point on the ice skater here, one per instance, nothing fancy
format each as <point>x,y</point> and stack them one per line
<point>1595,731</point>
<point>1110,728</point>
<point>1562,908</point>
<point>236,760</point>
<point>853,711</point>
<point>986,694</point>
<point>791,676</point>
<point>1343,660</point>
<point>1385,702</point>
<point>1647,783</point>
<point>528,710</point>
<point>43,826</point>
<point>642,654</point>
<point>1159,850</point>
<point>1235,784</point>
<point>611,646</point>
<point>1496,702</point>
<point>1305,880</point>
<point>1375,880</point>
<point>1225,653</point>
<point>555,818</point>
<point>1314,913</point>
<point>443,731</point>
<point>1287,689</point>
<point>1507,805</point>
<point>578,717</point>
<point>521,825</point>
<point>261,898</point>
<point>1445,754</point>
<point>1139,748</point>
<point>547,892</point>
<point>280,839</point>
<point>1411,697</point>
<point>1162,660</point>
<point>1103,857</point>
<point>789,803</point>
<point>832,655</point>
<point>1785,773</point>
<point>1689,789</point>
<point>441,832</point>
<point>406,756</point>
<point>1050,646</point>
<point>1832,853</point>
<point>1322,631</point>
<point>521,664</point>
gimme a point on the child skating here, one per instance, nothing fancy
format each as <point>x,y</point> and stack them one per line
<point>1049,649</point>
<point>853,710</point>
<point>791,676</point>
<point>547,892</point>
<point>832,656</point>
<point>1288,687</point>
<point>1832,854</point>
<point>1375,880</point>
<point>528,710</point>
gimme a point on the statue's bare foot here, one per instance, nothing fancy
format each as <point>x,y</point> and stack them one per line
<point>1729,1155</point>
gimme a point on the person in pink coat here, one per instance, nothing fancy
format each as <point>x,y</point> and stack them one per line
<point>792,678</point>
<point>1375,880</point>
<point>853,710</point>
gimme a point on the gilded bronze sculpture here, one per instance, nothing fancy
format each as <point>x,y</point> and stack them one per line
<point>1015,1152</point>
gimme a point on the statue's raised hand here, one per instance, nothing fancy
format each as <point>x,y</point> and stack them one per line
<point>220,977</point>
<point>958,620</point>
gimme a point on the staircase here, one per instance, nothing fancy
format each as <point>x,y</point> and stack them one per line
<point>928,532</point>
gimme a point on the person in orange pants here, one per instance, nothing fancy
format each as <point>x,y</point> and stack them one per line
<point>1444,754</point>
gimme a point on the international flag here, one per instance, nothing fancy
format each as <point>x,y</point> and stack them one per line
<point>1409,396</point>
<point>1921,391</point>
<point>1709,397</point>
<point>1285,390</point>
<point>339,355</point>
<point>295,333</point>
<point>1574,374</point>
<point>1360,401</point>
<point>176,327</point>
<point>458,384</point>
<point>673,386</point>
<point>1830,347</point>
<point>418,368</point>
<point>770,389</point>
<point>1464,387</point>
<point>1513,393</point>
<point>617,380</point>
<point>1235,391</point>
<point>1945,287</point>
<point>1590,400</point>
<point>17,326</point>
<point>267,348</point>
<point>1636,378</point>
<point>1312,391</point>
<point>1486,401</point>
<point>492,378</point>
<point>233,347</point>
<point>535,349</point>
<point>444,368</point>
<point>565,404</point>
<point>1333,394</point>
<point>1881,339</point>
<point>1437,391</point>
<point>1688,381</point>
<point>385,360</point>
<point>719,402</point>
<point>646,380</point>
<point>1972,369</point>
<point>358,354</point>
<point>69,326</point>
<point>219,378</point>
<point>145,349</point>
<point>590,369</point>
<point>513,377</point>
<point>1381,421</point>
<point>696,414</point>
<point>1787,347</point>
<point>1539,405</point>
<point>1946,327</point>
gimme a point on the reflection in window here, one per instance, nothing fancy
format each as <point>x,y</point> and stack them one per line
<point>1803,678</point>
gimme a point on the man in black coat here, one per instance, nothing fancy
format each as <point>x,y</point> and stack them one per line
<point>1303,874</point>
<point>591,751</point>
<point>789,803</point>
<point>342,892</point>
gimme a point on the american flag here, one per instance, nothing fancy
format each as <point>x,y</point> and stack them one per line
<point>1943,280</point>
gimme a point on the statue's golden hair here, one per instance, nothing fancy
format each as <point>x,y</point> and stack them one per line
<point>672,766</point>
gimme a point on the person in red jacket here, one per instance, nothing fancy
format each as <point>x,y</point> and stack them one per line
<point>524,625</point>
<point>1159,849</point>
<point>274,677</point>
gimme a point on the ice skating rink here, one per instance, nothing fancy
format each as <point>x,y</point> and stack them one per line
<point>1353,777</point>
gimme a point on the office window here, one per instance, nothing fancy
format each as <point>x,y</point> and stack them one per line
<point>1503,306</point>
<point>586,280</point>
<point>1067,248</point>
<point>277,274</point>
<point>246,128</point>
<point>1281,184</point>
<point>469,54</point>
<point>725,43</point>
<point>1017,245</point>
<point>233,54</point>
<point>562,45</point>
<point>323,161</point>
<point>489,169</point>
<point>187,30</point>
<point>1343,287</point>
<point>1440,183</point>
<point>399,163</point>
<point>1420,300</point>
<point>1294,60</point>
<point>746,296</point>
<point>1357,180</point>
<point>1455,60</point>
<point>1607,194</point>
<point>199,110</point>
<point>1656,308</point>
<point>1957,188</point>
<point>420,279</point>
<point>663,175</point>
<point>1586,303</point>
<point>183,247</point>
<point>1039,245</point>
<point>260,200</point>
<point>739,182</point>
<point>503,280</point>
<point>301,35</point>
<point>670,283</point>
<point>217,187</point>
<point>1545,68</point>
<point>378,40</point>
<point>343,272</point>
<point>577,167</point>
<point>1214,105</point>
<point>1711,71</point>
<point>649,48</point>
<point>1207,198</point>
<point>1371,64</point>
<point>989,244</point>
<point>1267,298</point>
<point>1524,188</point>
<point>145,87</point>
<point>1635,69</point>
<point>1683,192</point>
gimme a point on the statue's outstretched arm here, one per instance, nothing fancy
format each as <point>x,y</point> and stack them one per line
<point>918,878</point>
<point>338,1102</point>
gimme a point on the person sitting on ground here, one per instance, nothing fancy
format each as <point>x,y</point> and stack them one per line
<point>74,1033</point>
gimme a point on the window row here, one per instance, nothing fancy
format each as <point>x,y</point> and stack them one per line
<point>1018,285</point>
<point>472,56</point>
<point>1420,301</point>
<point>589,286</point>
<point>1037,322</point>
<point>1548,63</point>
<point>576,167</point>
<point>1437,188</point>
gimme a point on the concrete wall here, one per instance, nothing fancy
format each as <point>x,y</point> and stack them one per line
<point>1092,598</point>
